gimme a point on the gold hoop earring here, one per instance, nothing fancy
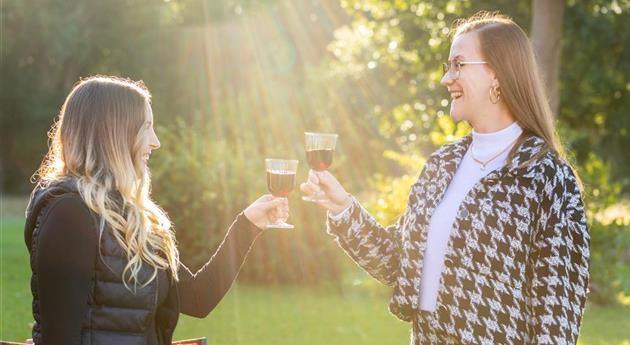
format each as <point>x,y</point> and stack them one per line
<point>495,95</point>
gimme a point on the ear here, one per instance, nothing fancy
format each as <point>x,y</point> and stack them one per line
<point>495,80</point>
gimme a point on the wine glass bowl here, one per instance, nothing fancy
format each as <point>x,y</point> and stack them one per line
<point>320,149</point>
<point>280,182</point>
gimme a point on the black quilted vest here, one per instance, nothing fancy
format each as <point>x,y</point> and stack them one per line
<point>115,314</point>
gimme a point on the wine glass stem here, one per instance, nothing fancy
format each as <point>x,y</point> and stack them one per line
<point>279,219</point>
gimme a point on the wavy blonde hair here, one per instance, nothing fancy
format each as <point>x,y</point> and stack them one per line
<point>97,142</point>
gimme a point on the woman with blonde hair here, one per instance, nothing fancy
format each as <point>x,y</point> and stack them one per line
<point>493,247</point>
<point>104,259</point>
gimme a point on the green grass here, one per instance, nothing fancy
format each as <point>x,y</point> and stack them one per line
<point>15,292</point>
<point>254,315</point>
<point>272,315</point>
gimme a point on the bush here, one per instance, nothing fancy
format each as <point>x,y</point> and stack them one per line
<point>609,258</point>
<point>610,231</point>
<point>203,183</point>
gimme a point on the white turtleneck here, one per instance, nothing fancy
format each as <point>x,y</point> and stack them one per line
<point>484,147</point>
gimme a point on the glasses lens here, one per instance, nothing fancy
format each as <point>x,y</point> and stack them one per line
<point>445,67</point>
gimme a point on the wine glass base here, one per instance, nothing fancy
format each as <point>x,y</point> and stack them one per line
<point>280,226</point>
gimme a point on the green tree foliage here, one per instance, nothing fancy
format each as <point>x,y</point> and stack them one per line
<point>233,82</point>
<point>595,85</point>
<point>46,47</point>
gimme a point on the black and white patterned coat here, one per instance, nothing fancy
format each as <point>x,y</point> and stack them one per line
<point>516,266</point>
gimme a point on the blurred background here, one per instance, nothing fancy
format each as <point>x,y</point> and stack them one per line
<point>235,81</point>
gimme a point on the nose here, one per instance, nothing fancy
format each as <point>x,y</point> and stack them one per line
<point>155,142</point>
<point>447,79</point>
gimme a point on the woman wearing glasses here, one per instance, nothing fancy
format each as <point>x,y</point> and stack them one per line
<point>493,247</point>
<point>105,263</point>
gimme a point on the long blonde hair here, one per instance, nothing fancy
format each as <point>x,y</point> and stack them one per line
<point>508,51</point>
<point>97,143</point>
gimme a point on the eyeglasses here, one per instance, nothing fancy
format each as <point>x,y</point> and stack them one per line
<point>456,65</point>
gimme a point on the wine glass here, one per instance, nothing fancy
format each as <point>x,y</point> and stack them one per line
<point>280,182</point>
<point>320,148</point>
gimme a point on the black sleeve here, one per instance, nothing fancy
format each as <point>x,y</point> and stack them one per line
<point>66,249</point>
<point>199,293</point>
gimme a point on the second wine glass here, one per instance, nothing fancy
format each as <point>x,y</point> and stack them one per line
<point>320,149</point>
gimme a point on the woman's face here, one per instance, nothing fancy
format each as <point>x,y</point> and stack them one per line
<point>470,87</point>
<point>150,140</point>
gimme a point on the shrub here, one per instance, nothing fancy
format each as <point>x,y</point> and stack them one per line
<point>203,183</point>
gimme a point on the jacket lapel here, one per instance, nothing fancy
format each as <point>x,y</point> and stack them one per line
<point>519,164</point>
<point>447,163</point>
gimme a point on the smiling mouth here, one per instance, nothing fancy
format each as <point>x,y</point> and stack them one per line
<point>456,94</point>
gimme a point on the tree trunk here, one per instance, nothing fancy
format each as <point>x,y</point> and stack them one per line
<point>546,36</point>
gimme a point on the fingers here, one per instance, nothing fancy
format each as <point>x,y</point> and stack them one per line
<point>282,212</point>
<point>327,204</point>
<point>277,209</point>
<point>277,203</point>
<point>268,201</point>
<point>314,184</point>
<point>326,180</point>
<point>266,209</point>
<point>309,187</point>
<point>265,198</point>
<point>313,177</point>
<point>283,204</point>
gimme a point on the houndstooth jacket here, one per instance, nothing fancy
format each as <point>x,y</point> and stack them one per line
<point>516,266</point>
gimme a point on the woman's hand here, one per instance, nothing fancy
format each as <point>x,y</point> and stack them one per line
<point>337,199</point>
<point>267,210</point>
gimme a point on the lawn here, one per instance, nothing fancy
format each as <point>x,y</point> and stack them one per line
<point>272,315</point>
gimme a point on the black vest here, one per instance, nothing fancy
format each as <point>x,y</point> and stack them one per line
<point>115,315</point>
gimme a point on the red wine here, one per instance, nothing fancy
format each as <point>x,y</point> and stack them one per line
<point>319,160</point>
<point>280,182</point>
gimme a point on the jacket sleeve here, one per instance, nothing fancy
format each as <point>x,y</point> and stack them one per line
<point>559,261</point>
<point>201,292</point>
<point>64,257</point>
<point>373,247</point>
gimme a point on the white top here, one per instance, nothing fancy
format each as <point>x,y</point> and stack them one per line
<point>484,146</point>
